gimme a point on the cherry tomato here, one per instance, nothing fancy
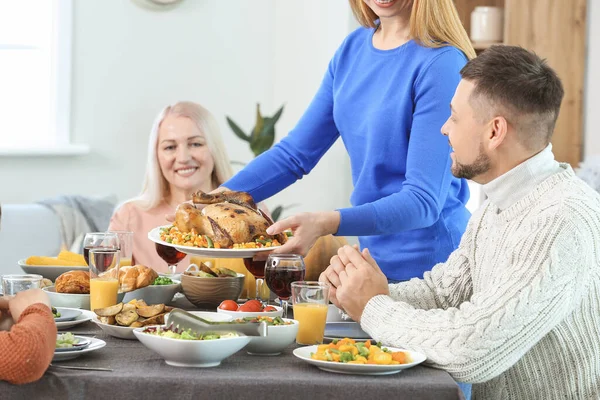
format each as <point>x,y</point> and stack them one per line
<point>269,309</point>
<point>251,306</point>
<point>228,305</point>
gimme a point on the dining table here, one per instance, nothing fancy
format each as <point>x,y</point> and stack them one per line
<point>138,373</point>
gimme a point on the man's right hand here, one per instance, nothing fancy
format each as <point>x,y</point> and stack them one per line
<point>24,299</point>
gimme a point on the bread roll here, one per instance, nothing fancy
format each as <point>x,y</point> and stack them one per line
<point>74,282</point>
<point>136,277</point>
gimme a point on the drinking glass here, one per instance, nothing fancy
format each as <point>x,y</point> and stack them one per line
<point>95,240</point>
<point>280,271</point>
<point>171,255</point>
<point>104,276</point>
<point>13,283</point>
<point>126,246</point>
<point>310,300</point>
<point>256,268</point>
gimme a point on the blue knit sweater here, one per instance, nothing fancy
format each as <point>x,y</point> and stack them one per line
<point>388,106</point>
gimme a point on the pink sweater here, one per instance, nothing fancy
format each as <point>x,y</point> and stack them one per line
<point>130,217</point>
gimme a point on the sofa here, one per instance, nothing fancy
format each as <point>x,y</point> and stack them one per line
<point>25,230</point>
<point>46,227</point>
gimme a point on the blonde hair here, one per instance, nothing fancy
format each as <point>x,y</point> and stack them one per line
<point>433,23</point>
<point>156,188</point>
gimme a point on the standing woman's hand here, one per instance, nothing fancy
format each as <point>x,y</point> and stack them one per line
<point>306,229</point>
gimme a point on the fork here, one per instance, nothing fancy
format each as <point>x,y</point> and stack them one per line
<point>82,368</point>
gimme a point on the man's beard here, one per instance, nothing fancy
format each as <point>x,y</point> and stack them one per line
<point>480,166</point>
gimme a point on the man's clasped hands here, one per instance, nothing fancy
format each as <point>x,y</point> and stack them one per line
<point>355,278</point>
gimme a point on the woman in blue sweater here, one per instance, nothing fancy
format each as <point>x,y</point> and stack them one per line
<point>386,93</point>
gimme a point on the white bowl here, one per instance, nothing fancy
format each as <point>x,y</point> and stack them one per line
<point>212,316</point>
<point>192,353</point>
<point>244,314</point>
<point>154,294</point>
<point>71,300</point>
<point>122,332</point>
<point>278,338</point>
<point>49,271</point>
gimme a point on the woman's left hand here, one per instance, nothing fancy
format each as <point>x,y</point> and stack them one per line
<point>306,229</point>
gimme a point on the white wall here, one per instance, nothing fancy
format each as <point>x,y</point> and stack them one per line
<point>129,62</point>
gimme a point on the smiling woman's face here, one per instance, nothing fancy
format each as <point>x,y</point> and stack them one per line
<point>183,155</point>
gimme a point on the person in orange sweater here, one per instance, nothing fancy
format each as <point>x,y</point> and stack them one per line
<point>28,336</point>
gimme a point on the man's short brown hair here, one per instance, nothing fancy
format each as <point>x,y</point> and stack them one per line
<point>518,85</point>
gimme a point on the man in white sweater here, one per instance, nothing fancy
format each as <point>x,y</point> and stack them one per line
<point>515,310</point>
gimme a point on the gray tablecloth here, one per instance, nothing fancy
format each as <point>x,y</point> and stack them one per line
<point>139,373</point>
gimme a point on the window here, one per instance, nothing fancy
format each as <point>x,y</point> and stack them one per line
<point>35,74</point>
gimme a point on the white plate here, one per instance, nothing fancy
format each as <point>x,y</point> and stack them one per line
<point>69,355</point>
<point>154,235</point>
<point>49,271</point>
<point>82,343</point>
<point>85,316</point>
<point>303,353</point>
<point>67,314</point>
<point>121,332</point>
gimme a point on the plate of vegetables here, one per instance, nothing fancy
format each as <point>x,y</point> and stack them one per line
<point>65,314</point>
<point>69,346</point>
<point>347,356</point>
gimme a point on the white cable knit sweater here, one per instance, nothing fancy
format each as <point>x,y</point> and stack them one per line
<point>516,308</point>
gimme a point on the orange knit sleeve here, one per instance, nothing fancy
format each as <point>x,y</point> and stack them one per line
<point>28,347</point>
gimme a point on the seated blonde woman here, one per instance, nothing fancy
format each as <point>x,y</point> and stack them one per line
<point>185,153</point>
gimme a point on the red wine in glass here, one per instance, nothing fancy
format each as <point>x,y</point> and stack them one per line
<point>171,255</point>
<point>256,268</point>
<point>280,271</point>
<point>279,280</point>
<point>103,258</point>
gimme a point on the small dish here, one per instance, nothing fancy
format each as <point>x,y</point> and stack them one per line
<point>85,316</point>
<point>95,344</point>
<point>278,338</point>
<point>245,314</point>
<point>67,314</point>
<point>303,353</point>
<point>82,343</point>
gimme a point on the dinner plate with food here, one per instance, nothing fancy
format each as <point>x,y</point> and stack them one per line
<point>347,356</point>
<point>230,225</point>
<point>82,317</point>
<point>62,314</point>
<point>69,346</point>
<point>121,319</point>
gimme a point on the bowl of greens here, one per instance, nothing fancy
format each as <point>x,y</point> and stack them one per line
<point>184,348</point>
<point>161,291</point>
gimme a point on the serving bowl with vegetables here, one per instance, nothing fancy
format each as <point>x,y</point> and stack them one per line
<point>161,291</point>
<point>184,348</point>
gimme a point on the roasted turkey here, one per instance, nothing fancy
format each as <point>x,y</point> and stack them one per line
<point>229,218</point>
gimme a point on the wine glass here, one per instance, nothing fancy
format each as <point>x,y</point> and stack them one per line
<point>280,271</point>
<point>257,269</point>
<point>171,255</point>
<point>99,240</point>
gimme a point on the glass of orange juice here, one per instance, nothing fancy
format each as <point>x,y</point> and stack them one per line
<point>310,301</point>
<point>104,277</point>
